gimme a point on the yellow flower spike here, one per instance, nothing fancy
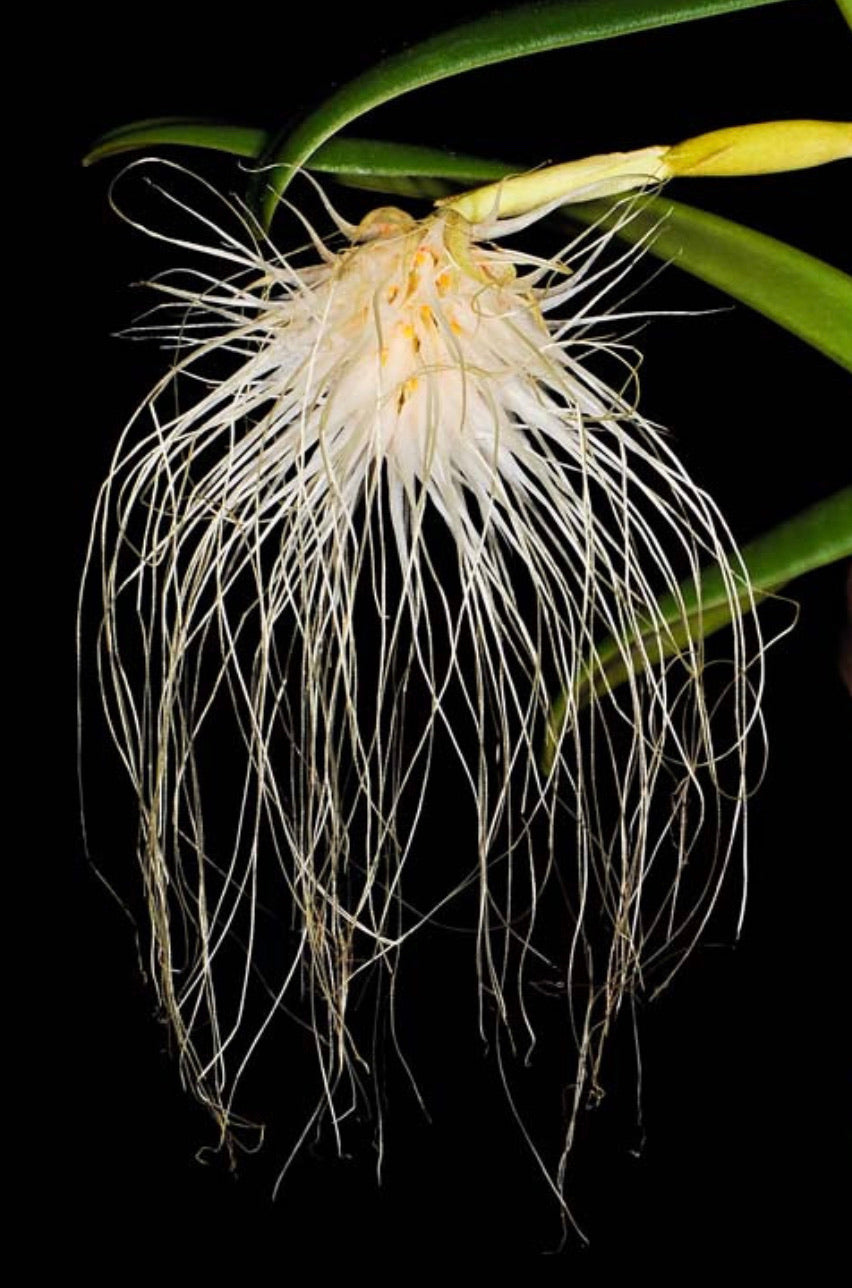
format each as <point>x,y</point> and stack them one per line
<point>765,148</point>
<point>761,149</point>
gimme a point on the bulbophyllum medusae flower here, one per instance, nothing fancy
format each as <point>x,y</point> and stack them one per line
<point>354,550</point>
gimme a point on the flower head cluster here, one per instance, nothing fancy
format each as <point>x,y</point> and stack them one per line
<point>374,523</point>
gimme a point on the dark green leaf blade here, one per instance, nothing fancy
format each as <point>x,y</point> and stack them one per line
<point>239,140</point>
<point>368,163</point>
<point>798,291</point>
<point>529,29</point>
<point>820,535</point>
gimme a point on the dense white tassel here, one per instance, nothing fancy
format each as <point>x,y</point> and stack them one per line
<point>382,508</point>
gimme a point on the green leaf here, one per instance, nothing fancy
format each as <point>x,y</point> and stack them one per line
<point>370,158</point>
<point>845,7</point>
<point>798,291</point>
<point>819,535</point>
<point>530,29</point>
<point>365,163</point>
<point>241,141</point>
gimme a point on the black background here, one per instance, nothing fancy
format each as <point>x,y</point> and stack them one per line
<point>744,1074</point>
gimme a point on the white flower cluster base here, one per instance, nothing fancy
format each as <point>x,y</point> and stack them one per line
<point>364,538</point>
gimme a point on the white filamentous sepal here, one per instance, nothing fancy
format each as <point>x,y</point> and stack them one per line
<point>375,518</point>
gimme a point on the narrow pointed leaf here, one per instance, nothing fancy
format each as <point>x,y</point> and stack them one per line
<point>366,163</point>
<point>529,29</point>
<point>798,291</point>
<point>241,141</point>
<point>373,159</point>
<point>820,535</point>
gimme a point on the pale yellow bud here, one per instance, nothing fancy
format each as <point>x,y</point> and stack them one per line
<point>761,149</point>
<point>739,150</point>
